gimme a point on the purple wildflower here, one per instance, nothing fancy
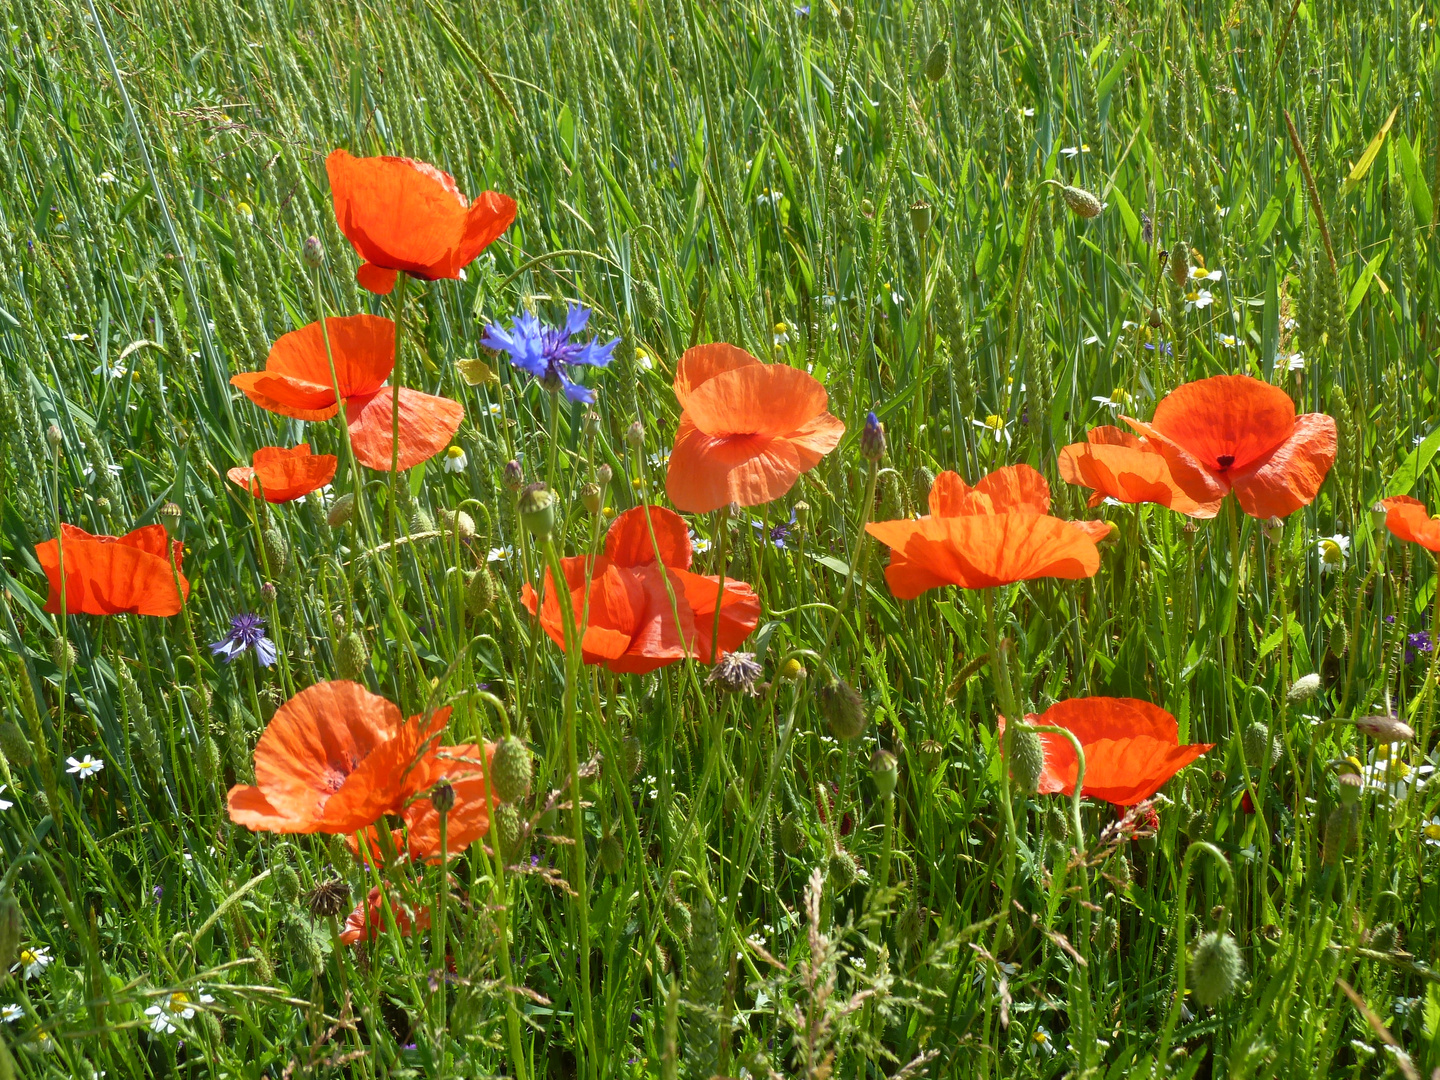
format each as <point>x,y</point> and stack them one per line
<point>1418,642</point>
<point>546,352</point>
<point>779,534</point>
<point>246,632</point>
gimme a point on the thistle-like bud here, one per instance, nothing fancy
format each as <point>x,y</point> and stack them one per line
<point>479,592</point>
<point>884,772</point>
<point>170,518</point>
<point>842,708</point>
<point>1385,938</point>
<point>872,438</point>
<point>268,592</point>
<point>537,511</point>
<point>208,761</point>
<point>15,746</point>
<point>277,549</point>
<point>313,252</point>
<point>1215,968</point>
<point>937,63</point>
<point>513,476</point>
<point>736,672</point>
<point>54,437</point>
<point>1081,202</point>
<point>329,898</point>
<point>511,770</point>
<point>635,435</point>
<point>442,797</point>
<point>341,511</point>
<point>1027,758</point>
<point>591,498</point>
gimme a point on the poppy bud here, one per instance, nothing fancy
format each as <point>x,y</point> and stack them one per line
<point>442,797</point>
<point>1257,745</point>
<point>1027,758</point>
<point>170,518</point>
<point>54,437</point>
<point>909,927</point>
<point>847,19</point>
<point>920,218</point>
<point>341,511</point>
<point>1386,729</point>
<point>872,439</point>
<point>10,929</point>
<point>1304,688</point>
<point>287,882</point>
<point>1215,968</point>
<point>937,63</point>
<point>1081,202</point>
<point>277,549</point>
<point>1057,824</point>
<point>351,657</point>
<point>479,592</point>
<point>842,708</point>
<point>267,592</point>
<point>612,854</point>
<point>1385,938</point>
<point>313,252</point>
<point>591,498</point>
<point>209,760</point>
<point>843,870</point>
<point>792,836</point>
<point>513,476</point>
<point>421,522</point>
<point>635,435</point>
<point>1108,933</point>
<point>884,771</point>
<point>537,511</point>
<point>511,770</point>
<point>62,652</point>
<point>457,521</point>
<point>15,747</point>
<point>603,475</point>
<point>509,830</point>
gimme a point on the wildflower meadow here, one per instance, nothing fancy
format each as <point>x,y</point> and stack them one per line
<point>646,538</point>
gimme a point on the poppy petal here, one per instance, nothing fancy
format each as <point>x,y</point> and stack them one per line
<point>1290,476</point>
<point>1013,489</point>
<point>701,363</point>
<point>1226,421</point>
<point>1408,519</point>
<point>1122,466</point>
<point>756,400</point>
<point>490,215</point>
<point>113,575</point>
<point>376,279</point>
<point>658,640</point>
<point>362,347</point>
<point>427,424</point>
<point>739,612</point>
<point>628,541</point>
<point>281,394</point>
<point>249,807</point>
<point>469,819</point>
<point>707,472</point>
<point>282,475</point>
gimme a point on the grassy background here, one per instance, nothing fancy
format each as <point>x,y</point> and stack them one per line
<point>817,186</point>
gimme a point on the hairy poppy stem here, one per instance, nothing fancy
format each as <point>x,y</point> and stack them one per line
<point>1181,918</point>
<point>397,380</point>
<point>857,560</point>
<point>722,526</point>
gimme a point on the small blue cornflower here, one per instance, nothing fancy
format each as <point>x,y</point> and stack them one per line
<point>779,535</point>
<point>246,632</point>
<point>1416,643</point>
<point>546,352</point>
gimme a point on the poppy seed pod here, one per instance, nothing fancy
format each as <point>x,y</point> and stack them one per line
<point>591,498</point>
<point>341,511</point>
<point>590,424</point>
<point>537,510</point>
<point>937,62</point>
<point>1215,968</point>
<point>885,772</point>
<point>1027,758</point>
<point>513,475</point>
<point>842,708</point>
<point>313,252</point>
<point>170,517</point>
<point>1081,202</point>
<point>15,746</point>
<point>442,797</point>
<point>511,770</point>
<point>802,514</point>
<point>921,217</point>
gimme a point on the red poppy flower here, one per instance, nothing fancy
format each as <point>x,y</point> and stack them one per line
<point>334,758</point>
<point>1131,748</point>
<point>1130,469</point>
<point>468,819</point>
<point>114,575</point>
<point>282,475</point>
<point>994,533</point>
<point>402,214</point>
<point>296,383</point>
<point>368,919</point>
<point>629,623</point>
<point>1236,433</point>
<point>1408,519</point>
<point>747,430</point>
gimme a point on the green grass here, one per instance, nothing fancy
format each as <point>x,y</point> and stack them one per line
<point>703,172</point>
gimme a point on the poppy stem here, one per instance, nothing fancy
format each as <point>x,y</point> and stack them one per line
<point>1181,918</point>
<point>438,945</point>
<point>397,380</point>
<point>857,560</point>
<point>1429,691</point>
<point>722,523</point>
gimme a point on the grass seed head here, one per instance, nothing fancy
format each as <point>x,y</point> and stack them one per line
<point>10,930</point>
<point>509,830</point>
<point>277,550</point>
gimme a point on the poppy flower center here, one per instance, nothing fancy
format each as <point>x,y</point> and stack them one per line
<point>1225,461</point>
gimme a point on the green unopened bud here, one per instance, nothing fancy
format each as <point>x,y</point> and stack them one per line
<point>842,708</point>
<point>792,836</point>
<point>513,475</point>
<point>509,830</point>
<point>1215,968</point>
<point>287,882</point>
<point>511,770</point>
<point>341,511</point>
<point>457,522</point>
<point>1027,758</point>
<point>1081,202</point>
<point>479,592</point>
<point>603,475</point>
<point>313,252</point>
<point>351,656</point>
<point>1257,745</point>
<point>537,511</point>
<point>847,19</point>
<point>884,772</point>
<point>612,854</point>
<point>277,549</point>
<point>442,797</point>
<point>843,870</point>
<point>1385,938</point>
<point>54,437</point>
<point>937,63</point>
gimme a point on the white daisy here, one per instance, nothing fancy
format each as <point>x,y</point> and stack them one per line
<point>1228,340</point>
<point>10,1013</point>
<point>1199,299</point>
<point>1333,552</point>
<point>77,338</point>
<point>455,460</point>
<point>1430,832</point>
<point>995,423</point>
<point>698,544</point>
<point>781,335</point>
<point>644,360</point>
<point>500,554</point>
<point>33,961</point>
<point>85,767</point>
<point>106,177</point>
<point>493,408</point>
<point>1119,398</point>
<point>178,1005</point>
<point>1295,361</point>
<point>111,371</point>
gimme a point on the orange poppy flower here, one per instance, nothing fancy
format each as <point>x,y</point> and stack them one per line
<point>402,214</point>
<point>1408,519</point>
<point>114,575</point>
<point>1130,469</point>
<point>368,919</point>
<point>629,623</point>
<point>747,430</point>
<point>281,475</point>
<point>466,822</point>
<point>296,383</point>
<point>334,758</point>
<point>995,533</point>
<point>1131,748</point>
<point>1236,433</point>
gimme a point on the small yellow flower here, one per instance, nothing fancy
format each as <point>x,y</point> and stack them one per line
<point>994,421</point>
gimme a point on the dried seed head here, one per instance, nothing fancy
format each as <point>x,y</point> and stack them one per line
<point>1081,202</point>
<point>736,672</point>
<point>329,898</point>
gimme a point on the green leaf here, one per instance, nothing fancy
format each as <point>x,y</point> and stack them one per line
<point>1361,167</point>
<point>1362,283</point>
<point>1420,197</point>
<point>1409,472</point>
<point>1268,217</point>
<point>1272,639</point>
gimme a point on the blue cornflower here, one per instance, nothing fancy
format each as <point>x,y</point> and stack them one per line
<point>546,352</point>
<point>1418,642</point>
<point>779,534</point>
<point>246,632</point>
